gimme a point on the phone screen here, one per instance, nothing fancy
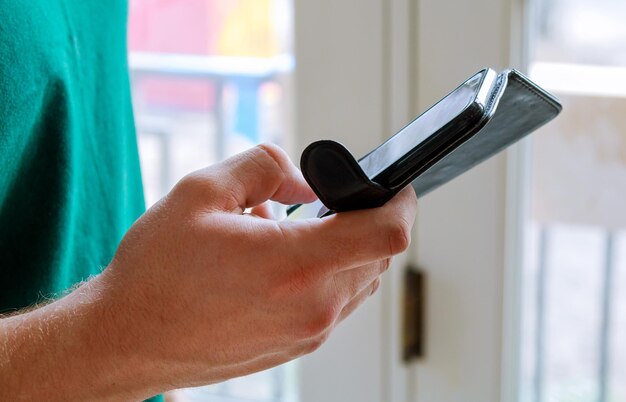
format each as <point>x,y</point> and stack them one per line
<point>407,139</point>
<point>314,209</point>
<point>420,129</point>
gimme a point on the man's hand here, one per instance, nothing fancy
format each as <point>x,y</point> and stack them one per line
<point>201,291</point>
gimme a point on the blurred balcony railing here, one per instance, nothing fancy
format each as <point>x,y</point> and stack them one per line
<point>207,127</point>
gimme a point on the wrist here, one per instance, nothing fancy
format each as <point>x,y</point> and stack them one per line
<point>114,345</point>
<point>71,349</point>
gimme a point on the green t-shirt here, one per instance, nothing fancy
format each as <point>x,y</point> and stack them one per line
<point>70,184</point>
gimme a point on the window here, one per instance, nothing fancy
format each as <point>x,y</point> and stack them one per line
<point>210,78</point>
<point>574,339</point>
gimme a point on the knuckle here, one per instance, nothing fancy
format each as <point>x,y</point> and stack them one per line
<point>272,153</point>
<point>190,182</point>
<point>315,343</point>
<point>321,321</point>
<point>399,237</point>
<point>298,284</point>
<point>194,184</point>
<point>308,330</point>
<point>375,286</point>
<point>301,281</point>
<point>385,264</point>
<point>326,317</point>
<point>412,197</point>
<point>293,352</point>
<point>311,346</point>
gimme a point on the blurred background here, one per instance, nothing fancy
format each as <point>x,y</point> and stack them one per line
<point>210,79</point>
<point>525,278</point>
<point>575,278</point>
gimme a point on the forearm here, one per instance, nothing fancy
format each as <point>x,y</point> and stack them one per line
<point>68,350</point>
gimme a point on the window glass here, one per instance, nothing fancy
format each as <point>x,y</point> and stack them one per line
<point>210,78</point>
<point>580,31</point>
<point>574,331</point>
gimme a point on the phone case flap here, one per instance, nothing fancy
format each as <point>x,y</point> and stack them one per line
<point>338,180</point>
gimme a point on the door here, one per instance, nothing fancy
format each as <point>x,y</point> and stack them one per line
<point>467,232</point>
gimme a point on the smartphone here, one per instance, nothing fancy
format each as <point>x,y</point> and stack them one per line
<point>410,152</point>
<point>437,132</point>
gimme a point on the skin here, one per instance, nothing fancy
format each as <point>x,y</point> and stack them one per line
<point>200,291</point>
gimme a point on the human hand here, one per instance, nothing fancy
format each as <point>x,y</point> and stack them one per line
<point>200,291</point>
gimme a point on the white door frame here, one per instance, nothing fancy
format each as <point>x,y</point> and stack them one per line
<point>354,84</point>
<point>470,231</point>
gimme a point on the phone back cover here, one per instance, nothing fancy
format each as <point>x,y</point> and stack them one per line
<point>522,108</point>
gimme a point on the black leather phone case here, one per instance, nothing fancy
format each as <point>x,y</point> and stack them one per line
<point>518,108</point>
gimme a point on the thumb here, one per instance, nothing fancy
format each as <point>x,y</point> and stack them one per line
<point>262,173</point>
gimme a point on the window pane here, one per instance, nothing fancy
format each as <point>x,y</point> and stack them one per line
<point>580,31</point>
<point>574,262</point>
<point>260,28</point>
<point>574,333</point>
<point>579,168</point>
<point>210,78</point>
<point>617,362</point>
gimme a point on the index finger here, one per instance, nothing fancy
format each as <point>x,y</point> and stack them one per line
<point>250,178</point>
